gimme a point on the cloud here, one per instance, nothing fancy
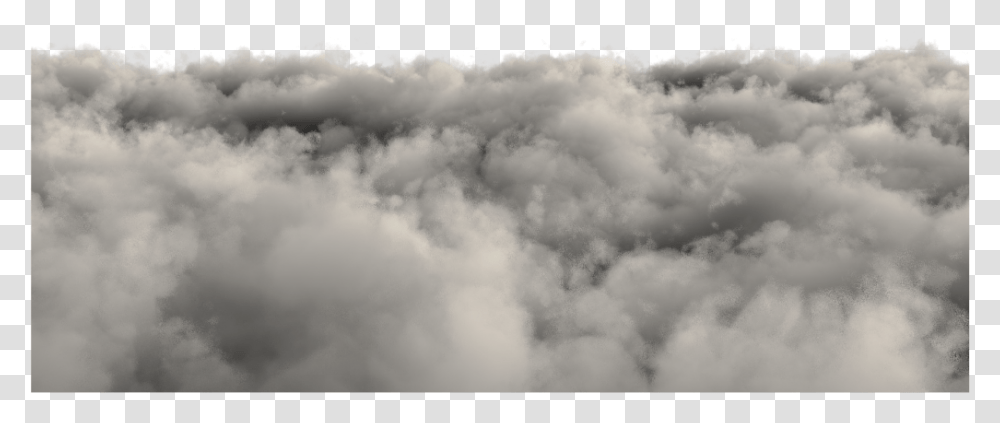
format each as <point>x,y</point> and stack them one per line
<point>547,224</point>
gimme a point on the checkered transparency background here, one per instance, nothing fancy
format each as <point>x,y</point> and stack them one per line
<point>169,35</point>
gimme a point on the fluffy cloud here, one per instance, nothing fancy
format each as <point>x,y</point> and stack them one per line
<point>549,224</point>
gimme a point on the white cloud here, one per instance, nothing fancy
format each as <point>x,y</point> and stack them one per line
<point>555,224</point>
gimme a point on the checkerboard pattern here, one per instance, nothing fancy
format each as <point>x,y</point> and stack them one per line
<point>169,35</point>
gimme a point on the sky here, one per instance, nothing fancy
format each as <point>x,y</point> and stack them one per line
<point>553,224</point>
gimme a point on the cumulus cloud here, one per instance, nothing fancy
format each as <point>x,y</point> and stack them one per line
<point>543,225</point>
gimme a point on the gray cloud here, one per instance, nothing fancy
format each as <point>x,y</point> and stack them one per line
<point>547,224</point>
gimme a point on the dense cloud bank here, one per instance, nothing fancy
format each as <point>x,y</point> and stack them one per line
<point>544,225</point>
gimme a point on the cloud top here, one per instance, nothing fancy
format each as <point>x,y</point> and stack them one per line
<point>543,225</point>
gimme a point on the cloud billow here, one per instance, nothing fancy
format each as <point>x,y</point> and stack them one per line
<point>542,225</point>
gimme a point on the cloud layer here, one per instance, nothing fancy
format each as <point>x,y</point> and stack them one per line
<point>544,225</point>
